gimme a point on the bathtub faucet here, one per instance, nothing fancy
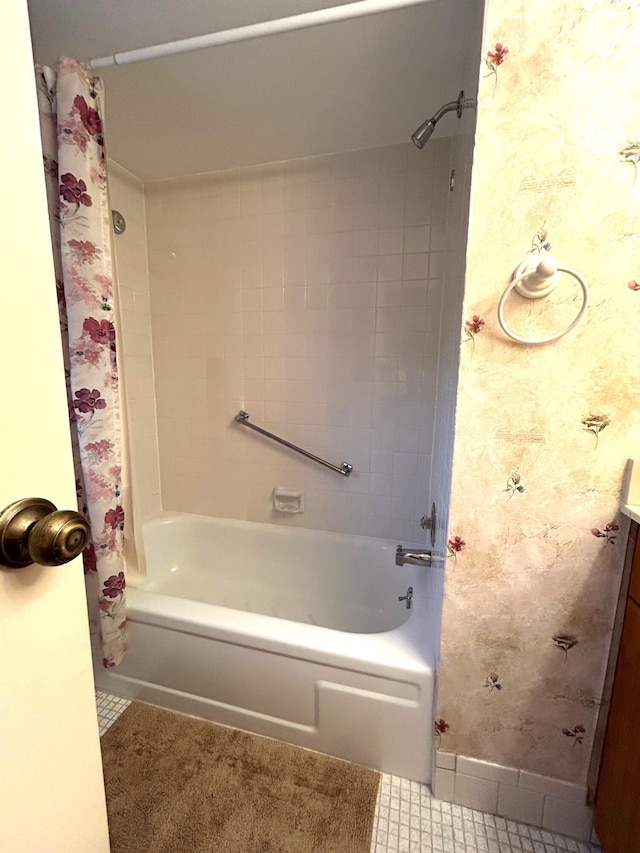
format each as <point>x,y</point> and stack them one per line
<point>422,558</point>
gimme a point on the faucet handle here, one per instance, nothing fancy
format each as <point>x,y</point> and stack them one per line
<point>408,597</point>
<point>429,522</point>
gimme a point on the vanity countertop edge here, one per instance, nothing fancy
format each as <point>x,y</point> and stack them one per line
<point>630,499</point>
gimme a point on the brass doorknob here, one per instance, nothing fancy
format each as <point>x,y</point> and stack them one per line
<point>32,530</point>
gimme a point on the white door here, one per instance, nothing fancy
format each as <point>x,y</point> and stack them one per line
<point>51,788</point>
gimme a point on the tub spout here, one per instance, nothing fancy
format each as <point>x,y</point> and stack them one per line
<point>422,558</point>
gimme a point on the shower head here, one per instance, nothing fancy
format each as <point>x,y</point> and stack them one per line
<point>423,133</point>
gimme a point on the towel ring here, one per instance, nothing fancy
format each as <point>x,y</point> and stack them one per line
<point>534,281</point>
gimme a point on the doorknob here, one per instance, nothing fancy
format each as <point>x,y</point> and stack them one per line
<point>32,530</point>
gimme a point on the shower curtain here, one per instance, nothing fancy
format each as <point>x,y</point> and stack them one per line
<point>76,178</point>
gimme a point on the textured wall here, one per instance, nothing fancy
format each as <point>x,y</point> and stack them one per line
<point>543,432</point>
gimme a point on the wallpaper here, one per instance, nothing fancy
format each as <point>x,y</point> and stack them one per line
<point>536,541</point>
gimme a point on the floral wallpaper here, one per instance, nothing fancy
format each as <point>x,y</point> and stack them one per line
<point>536,541</point>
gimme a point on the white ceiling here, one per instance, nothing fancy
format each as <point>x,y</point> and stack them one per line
<point>356,84</point>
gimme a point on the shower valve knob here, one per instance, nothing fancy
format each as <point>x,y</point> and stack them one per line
<point>32,530</point>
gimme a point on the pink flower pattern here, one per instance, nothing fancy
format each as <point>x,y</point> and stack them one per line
<point>89,401</point>
<point>494,58</point>
<point>75,173</point>
<point>608,532</point>
<point>74,190</point>
<point>114,517</point>
<point>577,734</point>
<point>89,117</point>
<point>88,353</point>
<point>83,250</point>
<point>114,585</point>
<point>440,727</point>
<point>100,485</point>
<point>100,331</point>
<point>472,328</point>
<point>99,450</point>
<point>498,55</point>
<point>82,291</point>
<point>81,125</point>
<point>90,561</point>
<point>475,324</point>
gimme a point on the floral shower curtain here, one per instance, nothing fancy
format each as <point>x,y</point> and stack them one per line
<point>76,177</point>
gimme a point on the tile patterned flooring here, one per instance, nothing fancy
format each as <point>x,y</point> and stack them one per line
<point>410,820</point>
<point>109,709</point>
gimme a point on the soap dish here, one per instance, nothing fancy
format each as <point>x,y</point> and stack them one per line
<point>288,500</point>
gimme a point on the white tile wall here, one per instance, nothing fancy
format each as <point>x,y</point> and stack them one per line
<point>554,787</point>
<point>568,818</point>
<point>476,793</point>
<point>308,293</point>
<point>519,804</point>
<point>486,770</point>
<point>135,355</point>
<point>513,794</point>
<point>444,781</point>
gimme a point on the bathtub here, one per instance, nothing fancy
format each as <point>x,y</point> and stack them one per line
<point>290,633</point>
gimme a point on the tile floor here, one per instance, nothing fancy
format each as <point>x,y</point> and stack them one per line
<point>109,709</point>
<point>410,820</point>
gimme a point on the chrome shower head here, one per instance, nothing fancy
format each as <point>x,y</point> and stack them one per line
<point>423,133</point>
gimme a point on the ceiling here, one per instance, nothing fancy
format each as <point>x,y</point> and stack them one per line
<point>355,84</point>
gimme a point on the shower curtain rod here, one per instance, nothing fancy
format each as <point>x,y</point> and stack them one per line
<point>253,31</point>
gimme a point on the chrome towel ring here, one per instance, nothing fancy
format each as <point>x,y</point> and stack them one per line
<point>535,279</point>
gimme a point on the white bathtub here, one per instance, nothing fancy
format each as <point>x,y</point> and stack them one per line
<point>294,634</point>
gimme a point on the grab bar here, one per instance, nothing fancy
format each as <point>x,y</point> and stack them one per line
<point>345,469</point>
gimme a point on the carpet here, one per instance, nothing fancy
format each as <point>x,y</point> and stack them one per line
<point>179,785</point>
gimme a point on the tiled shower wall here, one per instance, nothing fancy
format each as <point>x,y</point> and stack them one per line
<point>307,293</point>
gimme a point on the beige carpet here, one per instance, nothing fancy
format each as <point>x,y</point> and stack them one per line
<point>179,785</point>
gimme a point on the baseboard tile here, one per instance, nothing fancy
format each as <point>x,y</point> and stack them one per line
<point>480,794</point>
<point>443,784</point>
<point>514,794</point>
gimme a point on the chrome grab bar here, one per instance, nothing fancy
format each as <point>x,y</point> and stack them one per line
<point>345,469</point>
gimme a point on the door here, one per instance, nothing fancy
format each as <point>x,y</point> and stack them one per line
<point>51,788</point>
